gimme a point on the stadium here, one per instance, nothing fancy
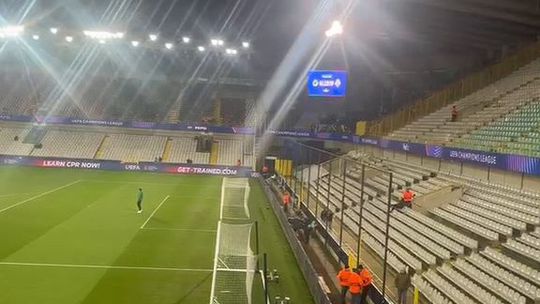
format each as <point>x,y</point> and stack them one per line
<point>270,152</point>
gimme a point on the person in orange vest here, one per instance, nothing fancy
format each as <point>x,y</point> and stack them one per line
<point>367,280</point>
<point>286,201</point>
<point>407,198</point>
<point>355,286</point>
<point>343,277</point>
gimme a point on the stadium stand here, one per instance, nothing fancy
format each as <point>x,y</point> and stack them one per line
<point>183,148</point>
<point>229,152</point>
<point>516,132</point>
<point>69,144</point>
<point>132,148</point>
<point>9,146</point>
<point>477,109</point>
<point>483,247</point>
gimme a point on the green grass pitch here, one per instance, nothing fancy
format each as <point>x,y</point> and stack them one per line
<point>70,236</point>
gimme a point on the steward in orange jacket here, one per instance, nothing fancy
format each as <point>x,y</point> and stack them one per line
<point>367,280</point>
<point>356,283</point>
<point>344,276</point>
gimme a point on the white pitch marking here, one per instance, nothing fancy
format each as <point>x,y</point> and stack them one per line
<point>180,229</point>
<point>155,210</point>
<point>103,266</point>
<point>39,195</point>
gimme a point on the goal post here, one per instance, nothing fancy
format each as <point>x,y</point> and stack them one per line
<point>234,199</point>
<point>235,262</point>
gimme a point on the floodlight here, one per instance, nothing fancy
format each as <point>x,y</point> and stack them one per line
<point>201,48</point>
<point>135,43</point>
<point>220,42</point>
<point>214,42</point>
<point>101,41</point>
<point>54,30</point>
<point>186,39</point>
<point>168,45</point>
<point>11,31</point>
<point>231,51</point>
<point>152,37</point>
<point>35,37</point>
<point>103,35</point>
<point>245,44</point>
<point>69,38</point>
<point>335,29</point>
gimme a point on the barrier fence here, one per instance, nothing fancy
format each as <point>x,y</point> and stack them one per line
<point>331,189</point>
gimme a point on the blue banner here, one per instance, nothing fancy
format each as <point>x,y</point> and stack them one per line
<point>327,83</point>
<point>126,124</point>
<point>113,165</point>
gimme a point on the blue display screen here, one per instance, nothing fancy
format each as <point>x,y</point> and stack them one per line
<point>327,83</point>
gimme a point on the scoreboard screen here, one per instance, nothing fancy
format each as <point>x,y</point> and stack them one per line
<point>327,83</point>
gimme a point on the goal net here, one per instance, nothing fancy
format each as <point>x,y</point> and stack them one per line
<point>234,199</point>
<point>235,263</point>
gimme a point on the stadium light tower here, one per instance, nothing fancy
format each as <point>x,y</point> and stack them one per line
<point>135,43</point>
<point>335,29</point>
<point>169,46</point>
<point>186,39</point>
<point>53,30</point>
<point>245,44</point>
<point>201,48</point>
<point>153,37</point>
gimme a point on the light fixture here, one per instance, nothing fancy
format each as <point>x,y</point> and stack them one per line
<point>168,45</point>
<point>53,30</point>
<point>101,41</point>
<point>152,37</point>
<point>35,37</point>
<point>103,35</point>
<point>335,29</point>
<point>11,31</point>
<point>245,44</point>
<point>217,42</point>
<point>186,39</point>
<point>231,52</point>
<point>69,38</point>
<point>201,48</point>
<point>135,43</point>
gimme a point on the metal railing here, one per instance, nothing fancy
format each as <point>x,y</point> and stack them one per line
<point>323,181</point>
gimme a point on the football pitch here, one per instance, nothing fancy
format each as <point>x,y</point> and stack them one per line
<point>73,236</point>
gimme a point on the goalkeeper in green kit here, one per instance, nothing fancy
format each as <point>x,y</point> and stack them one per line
<point>140,197</point>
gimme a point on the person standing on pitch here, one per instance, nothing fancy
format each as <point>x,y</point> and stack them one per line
<point>140,196</point>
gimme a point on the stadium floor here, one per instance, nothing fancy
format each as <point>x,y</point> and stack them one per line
<point>73,236</point>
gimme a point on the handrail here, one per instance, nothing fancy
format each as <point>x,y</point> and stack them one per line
<point>453,92</point>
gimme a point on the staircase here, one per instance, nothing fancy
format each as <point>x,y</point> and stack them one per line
<point>167,150</point>
<point>99,151</point>
<point>214,154</point>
